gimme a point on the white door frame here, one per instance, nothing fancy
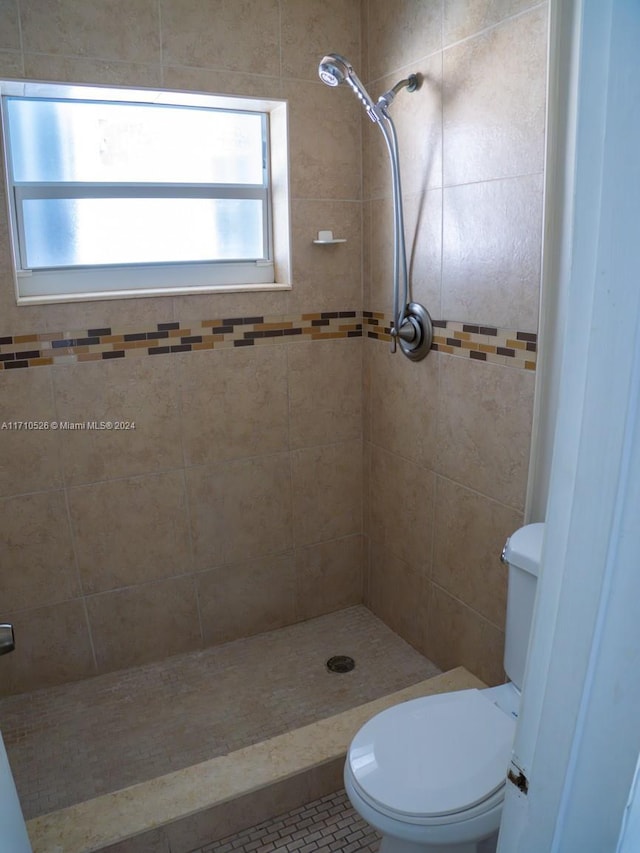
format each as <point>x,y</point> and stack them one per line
<point>578,737</point>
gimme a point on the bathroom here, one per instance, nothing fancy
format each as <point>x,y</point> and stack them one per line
<point>339,475</point>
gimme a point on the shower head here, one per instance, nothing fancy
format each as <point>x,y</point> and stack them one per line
<point>335,69</point>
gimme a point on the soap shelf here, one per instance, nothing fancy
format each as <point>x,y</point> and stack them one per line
<point>326,238</point>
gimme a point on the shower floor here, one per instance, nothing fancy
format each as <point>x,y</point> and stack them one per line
<point>70,743</point>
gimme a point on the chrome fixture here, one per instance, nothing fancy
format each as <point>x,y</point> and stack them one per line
<point>7,641</point>
<point>412,327</point>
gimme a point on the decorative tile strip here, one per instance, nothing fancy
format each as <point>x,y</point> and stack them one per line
<point>509,347</point>
<point>481,343</point>
<point>71,347</point>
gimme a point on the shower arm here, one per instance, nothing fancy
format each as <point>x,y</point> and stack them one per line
<point>410,83</point>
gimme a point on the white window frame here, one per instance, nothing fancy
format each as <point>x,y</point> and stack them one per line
<point>137,280</point>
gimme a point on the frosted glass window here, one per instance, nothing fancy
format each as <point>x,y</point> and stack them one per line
<point>66,232</point>
<point>108,187</point>
<point>102,141</point>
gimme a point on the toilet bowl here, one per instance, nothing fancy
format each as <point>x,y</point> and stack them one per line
<point>430,774</point>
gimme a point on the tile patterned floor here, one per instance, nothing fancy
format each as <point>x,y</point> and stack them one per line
<point>77,741</point>
<point>327,825</point>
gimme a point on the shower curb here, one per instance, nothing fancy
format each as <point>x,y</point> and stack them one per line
<point>185,809</point>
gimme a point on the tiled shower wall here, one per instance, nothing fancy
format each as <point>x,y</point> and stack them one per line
<point>447,439</point>
<point>235,505</point>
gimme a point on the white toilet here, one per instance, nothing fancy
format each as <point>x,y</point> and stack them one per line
<point>429,774</point>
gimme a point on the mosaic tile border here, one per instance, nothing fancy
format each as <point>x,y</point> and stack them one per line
<point>493,344</point>
<point>70,347</point>
<point>509,347</point>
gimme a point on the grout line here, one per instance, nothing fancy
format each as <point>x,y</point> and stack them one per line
<point>160,40</point>
<point>495,26</point>
<point>467,606</point>
<point>20,36</point>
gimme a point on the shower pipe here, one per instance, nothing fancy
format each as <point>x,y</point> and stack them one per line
<point>411,327</point>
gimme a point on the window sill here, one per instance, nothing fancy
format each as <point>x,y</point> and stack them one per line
<point>100,296</point>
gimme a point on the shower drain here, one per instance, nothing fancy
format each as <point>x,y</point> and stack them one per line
<point>340,663</point>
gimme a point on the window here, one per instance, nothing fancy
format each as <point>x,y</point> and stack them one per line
<point>128,192</point>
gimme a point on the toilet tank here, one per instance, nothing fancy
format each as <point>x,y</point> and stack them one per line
<point>522,555</point>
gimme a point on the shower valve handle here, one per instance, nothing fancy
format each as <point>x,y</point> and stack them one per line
<point>7,642</point>
<point>394,338</point>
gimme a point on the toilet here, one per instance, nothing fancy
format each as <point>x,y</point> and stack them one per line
<point>429,774</point>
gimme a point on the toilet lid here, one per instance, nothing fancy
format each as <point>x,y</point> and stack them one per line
<point>433,756</point>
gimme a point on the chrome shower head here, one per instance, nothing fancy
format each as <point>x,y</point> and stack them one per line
<point>335,69</point>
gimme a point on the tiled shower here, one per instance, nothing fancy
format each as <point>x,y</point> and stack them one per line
<point>283,463</point>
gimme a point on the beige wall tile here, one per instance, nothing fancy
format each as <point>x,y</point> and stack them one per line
<point>29,459</point>
<point>458,636</point>
<point>324,128</point>
<point>121,29</point>
<point>364,39</point>
<point>366,489</point>
<point>9,25</point>
<point>325,391</point>
<point>52,647</point>
<point>313,28</point>
<point>494,97</point>
<point>144,623</point>
<point>130,531</point>
<point>423,227</point>
<point>398,594</point>
<point>73,69</point>
<point>491,252</point>
<point>205,494</point>
<point>14,320</point>
<point>257,507</point>
<point>242,599</point>
<point>401,33</point>
<point>327,492</point>
<point>367,357</point>
<point>223,34</point>
<point>484,428</point>
<point>463,18</point>
<point>141,391</point>
<point>36,554</point>
<point>326,278</point>
<point>234,403</point>
<point>329,576</point>
<point>380,280</point>
<point>402,508</point>
<point>423,240</point>
<point>220,82</point>
<point>140,315</point>
<point>11,64</point>
<point>404,404</point>
<point>367,265</point>
<point>470,533</point>
<point>220,305</point>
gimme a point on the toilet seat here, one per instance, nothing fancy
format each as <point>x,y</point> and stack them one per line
<point>437,758</point>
